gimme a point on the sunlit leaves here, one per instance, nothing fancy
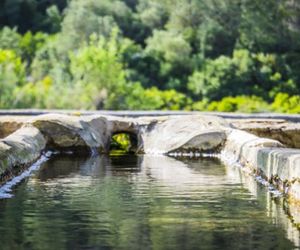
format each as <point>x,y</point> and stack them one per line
<point>12,75</point>
<point>243,73</point>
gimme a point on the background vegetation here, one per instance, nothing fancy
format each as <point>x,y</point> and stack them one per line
<point>223,55</point>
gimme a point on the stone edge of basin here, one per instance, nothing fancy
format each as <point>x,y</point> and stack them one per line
<point>265,157</point>
<point>284,131</point>
<point>36,135</point>
<point>19,150</point>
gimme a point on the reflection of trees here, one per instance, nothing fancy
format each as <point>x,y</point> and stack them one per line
<point>135,203</point>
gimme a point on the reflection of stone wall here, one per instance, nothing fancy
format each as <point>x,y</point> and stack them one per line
<point>266,157</point>
<point>285,217</point>
<point>178,135</point>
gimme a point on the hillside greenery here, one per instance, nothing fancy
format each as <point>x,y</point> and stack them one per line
<point>212,55</point>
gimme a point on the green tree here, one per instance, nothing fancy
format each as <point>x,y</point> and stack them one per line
<point>242,74</point>
<point>98,74</point>
<point>266,26</point>
<point>85,17</point>
<point>95,76</point>
<point>152,14</point>
<point>12,75</point>
<point>33,15</point>
<point>174,55</point>
<point>210,26</point>
<point>24,45</point>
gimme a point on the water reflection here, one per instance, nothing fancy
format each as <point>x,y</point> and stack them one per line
<point>273,206</point>
<point>132,202</point>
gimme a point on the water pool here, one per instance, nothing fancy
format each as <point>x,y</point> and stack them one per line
<point>142,202</point>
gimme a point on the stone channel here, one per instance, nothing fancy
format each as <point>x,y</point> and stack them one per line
<point>264,147</point>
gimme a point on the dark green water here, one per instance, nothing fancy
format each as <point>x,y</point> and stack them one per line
<point>131,202</point>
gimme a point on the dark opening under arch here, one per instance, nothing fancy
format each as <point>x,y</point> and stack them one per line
<point>123,142</point>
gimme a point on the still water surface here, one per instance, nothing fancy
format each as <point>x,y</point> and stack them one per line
<point>141,202</point>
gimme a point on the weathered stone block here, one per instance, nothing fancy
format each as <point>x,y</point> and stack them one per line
<point>188,133</point>
<point>64,132</point>
<point>20,148</point>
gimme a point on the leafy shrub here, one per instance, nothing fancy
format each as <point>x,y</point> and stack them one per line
<point>97,73</point>
<point>286,104</point>
<point>35,95</point>
<point>86,17</point>
<point>12,75</point>
<point>244,73</point>
<point>25,45</point>
<point>172,53</point>
<point>9,39</point>
<point>246,104</point>
<point>155,99</point>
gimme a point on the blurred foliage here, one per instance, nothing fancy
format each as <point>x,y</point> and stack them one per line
<point>286,104</point>
<point>246,104</point>
<point>155,99</point>
<point>97,73</point>
<point>120,143</point>
<point>12,75</point>
<point>224,55</point>
<point>34,15</point>
<point>283,103</point>
<point>244,73</point>
<point>172,53</point>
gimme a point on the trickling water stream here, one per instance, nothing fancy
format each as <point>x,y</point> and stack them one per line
<point>142,202</point>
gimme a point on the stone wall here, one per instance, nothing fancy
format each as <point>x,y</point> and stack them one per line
<point>191,135</point>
